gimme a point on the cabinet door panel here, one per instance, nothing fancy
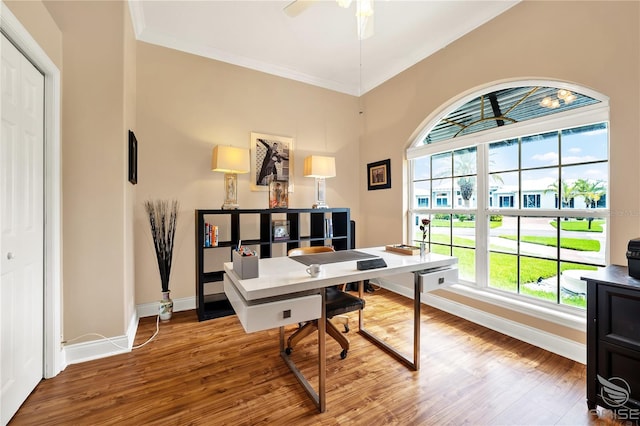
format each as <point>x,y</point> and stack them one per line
<point>618,316</point>
<point>619,362</point>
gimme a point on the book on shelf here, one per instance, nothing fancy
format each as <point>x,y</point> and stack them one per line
<point>210,235</point>
<point>328,228</point>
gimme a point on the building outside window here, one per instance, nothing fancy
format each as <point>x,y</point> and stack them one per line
<point>423,201</point>
<point>506,201</point>
<point>531,201</point>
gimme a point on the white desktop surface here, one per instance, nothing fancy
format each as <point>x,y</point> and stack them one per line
<point>280,276</point>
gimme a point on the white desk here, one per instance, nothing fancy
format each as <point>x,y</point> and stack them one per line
<point>285,294</point>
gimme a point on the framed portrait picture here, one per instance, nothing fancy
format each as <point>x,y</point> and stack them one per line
<point>379,175</point>
<point>271,159</point>
<point>133,158</point>
<point>278,194</point>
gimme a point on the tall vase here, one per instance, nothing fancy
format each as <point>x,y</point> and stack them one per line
<point>423,249</point>
<point>166,307</point>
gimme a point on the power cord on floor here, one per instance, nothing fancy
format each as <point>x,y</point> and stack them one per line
<point>114,343</point>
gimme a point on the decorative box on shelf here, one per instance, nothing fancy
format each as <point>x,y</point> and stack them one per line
<point>404,249</point>
<point>245,267</point>
<point>280,230</point>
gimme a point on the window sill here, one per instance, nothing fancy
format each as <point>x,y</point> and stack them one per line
<point>557,314</point>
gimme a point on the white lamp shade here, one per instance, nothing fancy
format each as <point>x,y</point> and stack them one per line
<point>319,167</point>
<point>229,159</point>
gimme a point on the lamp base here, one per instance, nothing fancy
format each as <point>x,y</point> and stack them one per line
<point>320,194</point>
<point>230,191</point>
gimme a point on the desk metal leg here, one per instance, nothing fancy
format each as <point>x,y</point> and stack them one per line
<point>415,364</point>
<point>322,356</point>
<point>319,398</point>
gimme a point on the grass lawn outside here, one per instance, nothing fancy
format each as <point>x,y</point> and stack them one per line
<point>503,276</point>
<point>457,241</point>
<point>536,276</point>
<point>443,223</point>
<point>579,244</point>
<point>579,225</point>
<point>503,272</point>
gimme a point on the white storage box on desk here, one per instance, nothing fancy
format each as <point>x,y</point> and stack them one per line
<point>265,316</point>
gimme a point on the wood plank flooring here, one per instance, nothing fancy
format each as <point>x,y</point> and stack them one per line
<point>213,373</point>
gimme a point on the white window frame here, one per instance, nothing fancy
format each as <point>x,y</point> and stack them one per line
<point>480,290</point>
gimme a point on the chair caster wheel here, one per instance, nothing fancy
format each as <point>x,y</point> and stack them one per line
<point>346,328</point>
<point>343,354</point>
<point>288,351</point>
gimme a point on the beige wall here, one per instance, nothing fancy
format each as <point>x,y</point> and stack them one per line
<point>97,283</point>
<point>35,17</point>
<point>594,44</point>
<point>130,96</point>
<point>186,105</point>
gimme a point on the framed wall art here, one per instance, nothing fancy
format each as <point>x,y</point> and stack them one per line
<point>271,159</point>
<point>278,194</point>
<point>379,175</point>
<point>133,158</point>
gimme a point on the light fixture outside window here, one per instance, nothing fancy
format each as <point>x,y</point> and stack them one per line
<point>563,95</point>
<point>230,161</point>
<point>320,168</point>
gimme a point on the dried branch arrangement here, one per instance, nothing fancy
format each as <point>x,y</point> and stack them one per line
<point>162,218</point>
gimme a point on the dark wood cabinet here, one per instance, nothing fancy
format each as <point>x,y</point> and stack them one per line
<point>259,230</point>
<point>613,340</point>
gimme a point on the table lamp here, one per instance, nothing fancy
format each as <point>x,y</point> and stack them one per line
<point>320,167</point>
<point>230,161</point>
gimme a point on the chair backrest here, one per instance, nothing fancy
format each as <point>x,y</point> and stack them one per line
<point>299,251</point>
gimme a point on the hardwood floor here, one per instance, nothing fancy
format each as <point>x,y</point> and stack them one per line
<point>213,373</point>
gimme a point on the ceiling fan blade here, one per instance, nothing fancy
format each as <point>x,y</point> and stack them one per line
<point>364,17</point>
<point>296,7</point>
<point>367,31</point>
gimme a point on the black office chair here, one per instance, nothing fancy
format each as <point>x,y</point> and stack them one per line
<point>337,302</point>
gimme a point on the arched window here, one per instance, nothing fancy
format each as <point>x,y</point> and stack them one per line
<point>514,179</point>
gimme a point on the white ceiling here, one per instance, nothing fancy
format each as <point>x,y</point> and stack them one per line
<point>319,46</point>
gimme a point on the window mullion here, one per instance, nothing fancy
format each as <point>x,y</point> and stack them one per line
<point>482,218</point>
<point>410,201</point>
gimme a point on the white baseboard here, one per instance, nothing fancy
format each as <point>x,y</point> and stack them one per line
<point>151,309</point>
<point>103,347</point>
<point>542,339</point>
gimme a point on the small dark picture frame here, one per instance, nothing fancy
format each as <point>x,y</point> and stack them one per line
<point>133,158</point>
<point>379,175</point>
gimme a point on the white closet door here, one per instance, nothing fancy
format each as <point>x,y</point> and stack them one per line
<point>22,229</point>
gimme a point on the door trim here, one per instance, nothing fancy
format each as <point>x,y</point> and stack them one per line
<point>54,361</point>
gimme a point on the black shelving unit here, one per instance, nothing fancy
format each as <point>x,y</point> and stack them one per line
<point>316,233</point>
